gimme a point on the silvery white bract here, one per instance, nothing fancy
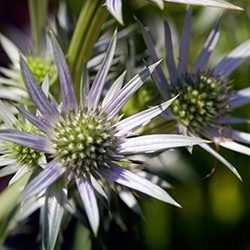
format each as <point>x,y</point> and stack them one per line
<point>206,95</point>
<point>115,6</point>
<point>9,87</point>
<point>85,141</point>
<point>11,83</point>
<point>208,3</point>
<point>15,159</point>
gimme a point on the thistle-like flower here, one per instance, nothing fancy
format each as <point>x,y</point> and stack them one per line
<point>206,95</point>
<point>16,159</point>
<point>86,141</point>
<point>11,83</point>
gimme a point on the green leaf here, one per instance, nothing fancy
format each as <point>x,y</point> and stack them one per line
<point>82,238</point>
<point>8,201</point>
<point>8,197</point>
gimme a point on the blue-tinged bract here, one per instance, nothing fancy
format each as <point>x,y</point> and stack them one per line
<point>115,6</point>
<point>206,95</point>
<point>84,142</point>
<point>11,83</point>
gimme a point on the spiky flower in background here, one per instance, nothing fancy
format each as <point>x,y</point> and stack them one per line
<point>16,159</point>
<point>84,142</point>
<point>206,94</point>
<point>11,82</point>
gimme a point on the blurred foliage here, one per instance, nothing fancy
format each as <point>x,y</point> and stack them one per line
<point>215,211</point>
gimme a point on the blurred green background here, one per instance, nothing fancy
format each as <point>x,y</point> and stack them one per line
<point>215,210</point>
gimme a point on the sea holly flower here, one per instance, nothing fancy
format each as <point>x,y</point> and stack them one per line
<point>115,6</point>
<point>11,83</point>
<point>206,94</point>
<point>86,141</point>
<point>17,159</point>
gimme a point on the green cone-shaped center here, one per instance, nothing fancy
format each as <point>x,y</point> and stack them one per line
<point>84,141</point>
<point>25,155</point>
<point>201,99</point>
<point>40,67</point>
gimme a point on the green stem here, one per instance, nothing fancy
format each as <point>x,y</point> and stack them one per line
<point>38,17</point>
<point>8,201</point>
<point>92,16</point>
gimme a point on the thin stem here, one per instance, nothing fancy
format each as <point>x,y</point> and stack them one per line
<point>38,17</point>
<point>87,30</point>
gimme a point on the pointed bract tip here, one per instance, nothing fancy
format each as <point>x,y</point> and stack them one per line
<point>237,175</point>
<point>115,9</point>
<point>159,3</point>
<point>154,65</point>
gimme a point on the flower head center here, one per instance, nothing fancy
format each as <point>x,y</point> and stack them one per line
<point>85,140</point>
<point>24,155</point>
<point>202,98</point>
<point>40,67</point>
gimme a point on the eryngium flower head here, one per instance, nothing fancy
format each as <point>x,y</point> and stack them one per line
<point>17,159</point>
<point>11,83</point>
<point>205,94</point>
<point>86,141</point>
